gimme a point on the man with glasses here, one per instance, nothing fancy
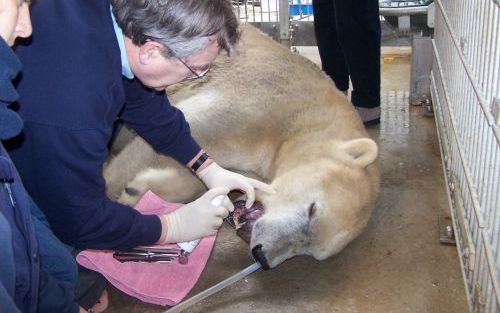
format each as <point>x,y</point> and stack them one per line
<point>348,36</point>
<point>92,62</point>
<point>198,73</point>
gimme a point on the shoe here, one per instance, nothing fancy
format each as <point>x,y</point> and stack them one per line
<point>369,116</point>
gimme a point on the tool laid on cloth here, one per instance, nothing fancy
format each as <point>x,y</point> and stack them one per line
<point>152,282</point>
<point>163,255</point>
<point>214,289</point>
<point>151,254</point>
<point>189,246</point>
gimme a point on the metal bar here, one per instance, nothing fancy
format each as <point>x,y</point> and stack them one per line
<point>284,20</point>
<point>488,51</point>
<point>246,8</point>
<point>262,13</point>
<point>495,74</point>
<point>253,11</point>
<point>441,138</point>
<point>403,11</point>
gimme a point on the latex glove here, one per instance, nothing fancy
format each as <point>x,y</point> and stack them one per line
<point>196,219</point>
<point>216,176</point>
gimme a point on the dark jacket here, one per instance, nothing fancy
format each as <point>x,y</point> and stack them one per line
<point>24,286</point>
<point>71,94</point>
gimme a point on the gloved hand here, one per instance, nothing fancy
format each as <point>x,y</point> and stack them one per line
<point>215,176</point>
<point>196,219</point>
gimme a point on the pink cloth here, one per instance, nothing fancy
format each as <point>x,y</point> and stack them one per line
<point>163,284</point>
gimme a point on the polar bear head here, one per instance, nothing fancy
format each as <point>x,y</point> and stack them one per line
<point>319,206</point>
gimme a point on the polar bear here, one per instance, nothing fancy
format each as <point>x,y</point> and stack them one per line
<point>271,114</point>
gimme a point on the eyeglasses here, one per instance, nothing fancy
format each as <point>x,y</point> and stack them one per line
<point>196,73</point>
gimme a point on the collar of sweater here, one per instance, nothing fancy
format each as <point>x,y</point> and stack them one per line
<point>9,67</point>
<point>10,122</point>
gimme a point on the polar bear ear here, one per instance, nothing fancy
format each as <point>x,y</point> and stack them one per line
<point>363,151</point>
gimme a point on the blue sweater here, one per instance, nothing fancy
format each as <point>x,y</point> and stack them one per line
<point>71,93</point>
<point>24,287</point>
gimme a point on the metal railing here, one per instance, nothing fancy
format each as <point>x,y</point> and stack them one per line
<point>466,92</point>
<point>291,21</point>
<point>280,19</point>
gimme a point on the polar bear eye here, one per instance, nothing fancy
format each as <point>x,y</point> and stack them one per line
<point>312,209</point>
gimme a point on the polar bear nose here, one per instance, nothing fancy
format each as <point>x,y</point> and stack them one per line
<point>258,255</point>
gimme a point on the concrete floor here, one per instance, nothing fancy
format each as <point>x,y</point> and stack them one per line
<point>396,265</point>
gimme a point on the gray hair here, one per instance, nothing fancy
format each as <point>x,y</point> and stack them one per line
<point>183,27</point>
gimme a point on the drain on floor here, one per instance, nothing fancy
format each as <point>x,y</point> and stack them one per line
<point>446,233</point>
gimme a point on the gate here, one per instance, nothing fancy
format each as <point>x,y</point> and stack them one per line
<point>289,22</point>
<point>465,89</point>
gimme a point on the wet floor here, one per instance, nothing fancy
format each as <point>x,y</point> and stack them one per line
<point>396,265</point>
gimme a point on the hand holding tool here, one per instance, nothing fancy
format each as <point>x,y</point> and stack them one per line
<point>189,246</point>
<point>215,176</point>
<point>197,219</point>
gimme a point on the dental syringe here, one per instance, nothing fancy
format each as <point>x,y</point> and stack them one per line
<point>188,246</point>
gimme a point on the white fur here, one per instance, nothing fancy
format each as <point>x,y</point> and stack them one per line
<point>272,114</point>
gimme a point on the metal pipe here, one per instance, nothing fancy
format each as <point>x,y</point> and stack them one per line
<point>403,11</point>
<point>284,20</point>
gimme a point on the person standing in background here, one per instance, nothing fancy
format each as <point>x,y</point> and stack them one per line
<point>348,37</point>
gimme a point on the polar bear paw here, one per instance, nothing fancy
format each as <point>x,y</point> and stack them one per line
<point>150,179</point>
<point>167,183</point>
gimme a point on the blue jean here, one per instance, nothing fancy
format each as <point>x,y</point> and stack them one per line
<point>56,258</point>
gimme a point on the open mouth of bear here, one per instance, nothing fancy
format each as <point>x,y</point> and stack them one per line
<point>243,219</point>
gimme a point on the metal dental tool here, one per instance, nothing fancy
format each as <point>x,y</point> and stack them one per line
<point>163,255</point>
<point>151,255</point>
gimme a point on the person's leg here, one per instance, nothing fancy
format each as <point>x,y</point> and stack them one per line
<point>7,268</point>
<point>7,264</point>
<point>332,58</point>
<point>55,257</point>
<point>91,289</point>
<point>358,30</point>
